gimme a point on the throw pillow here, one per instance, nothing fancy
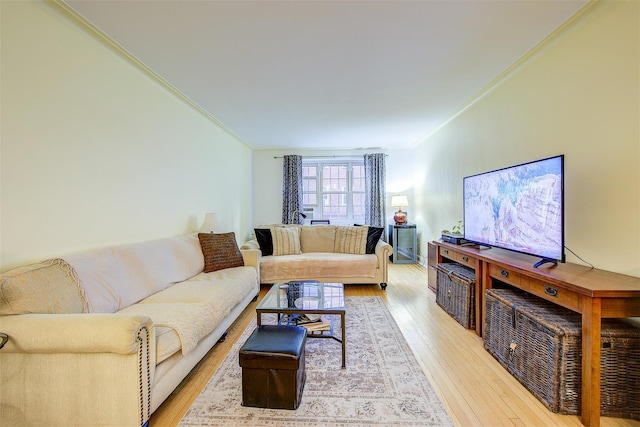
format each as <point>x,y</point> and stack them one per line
<point>286,240</point>
<point>351,240</point>
<point>265,241</point>
<point>373,235</point>
<point>48,287</point>
<point>220,251</point>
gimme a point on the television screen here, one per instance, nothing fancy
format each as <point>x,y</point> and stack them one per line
<point>520,208</point>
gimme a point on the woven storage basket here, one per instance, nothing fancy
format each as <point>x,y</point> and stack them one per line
<point>547,358</point>
<point>456,292</point>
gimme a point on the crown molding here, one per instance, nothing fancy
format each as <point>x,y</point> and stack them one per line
<point>131,59</point>
<point>514,67</point>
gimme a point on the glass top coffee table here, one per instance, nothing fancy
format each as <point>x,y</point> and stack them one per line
<point>309,298</point>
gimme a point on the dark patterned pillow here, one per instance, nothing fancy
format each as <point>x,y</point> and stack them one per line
<point>373,235</point>
<point>265,240</point>
<point>220,251</point>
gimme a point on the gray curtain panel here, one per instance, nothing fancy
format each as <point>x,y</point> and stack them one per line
<point>292,189</point>
<point>375,190</point>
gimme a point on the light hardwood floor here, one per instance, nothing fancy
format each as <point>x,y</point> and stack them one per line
<point>476,390</point>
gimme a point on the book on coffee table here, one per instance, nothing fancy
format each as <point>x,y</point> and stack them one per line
<point>316,326</point>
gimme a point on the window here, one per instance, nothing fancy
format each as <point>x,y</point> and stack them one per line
<point>333,190</point>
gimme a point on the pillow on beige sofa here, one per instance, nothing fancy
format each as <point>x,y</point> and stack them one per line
<point>48,287</point>
<point>351,240</point>
<point>220,251</point>
<point>374,234</point>
<point>265,241</point>
<point>286,240</point>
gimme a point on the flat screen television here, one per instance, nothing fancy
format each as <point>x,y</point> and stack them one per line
<point>519,208</point>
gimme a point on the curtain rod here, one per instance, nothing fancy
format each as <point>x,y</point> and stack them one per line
<point>326,157</point>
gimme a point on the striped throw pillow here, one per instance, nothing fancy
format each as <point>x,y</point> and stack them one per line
<point>286,240</point>
<point>351,240</point>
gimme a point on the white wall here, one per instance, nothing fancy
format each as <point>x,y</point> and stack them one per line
<point>96,152</point>
<point>578,95</point>
<point>267,179</point>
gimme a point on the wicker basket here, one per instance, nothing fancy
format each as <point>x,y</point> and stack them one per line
<point>456,290</point>
<point>540,344</point>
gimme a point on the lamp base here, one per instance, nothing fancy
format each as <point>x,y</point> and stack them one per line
<point>400,218</point>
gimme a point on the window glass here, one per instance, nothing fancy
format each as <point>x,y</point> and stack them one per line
<point>309,185</point>
<point>334,190</point>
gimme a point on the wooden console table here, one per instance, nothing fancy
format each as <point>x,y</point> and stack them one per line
<point>594,293</point>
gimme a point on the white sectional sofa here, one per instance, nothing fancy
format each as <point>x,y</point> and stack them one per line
<point>103,337</point>
<point>328,253</point>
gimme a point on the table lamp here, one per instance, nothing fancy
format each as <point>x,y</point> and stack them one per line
<point>210,223</point>
<point>400,201</point>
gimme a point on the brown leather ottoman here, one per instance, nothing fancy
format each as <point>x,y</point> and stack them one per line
<point>272,361</point>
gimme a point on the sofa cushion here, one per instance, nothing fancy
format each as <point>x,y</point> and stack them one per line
<point>351,240</point>
<point>215,288</point>
<point>286,240</point>
<point>222,290</point>
<point>315,265</point>
<point>220,251</point>
<point>118,276</point>
<point>167,343</point>
<point>191,321</point>
<point>48,287</point>
<point>317,238</point>
<point>265,241</point>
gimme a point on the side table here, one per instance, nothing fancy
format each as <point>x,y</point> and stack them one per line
<point>404,240</point>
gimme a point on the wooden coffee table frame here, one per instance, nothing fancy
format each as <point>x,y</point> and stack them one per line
<point>320,311</point>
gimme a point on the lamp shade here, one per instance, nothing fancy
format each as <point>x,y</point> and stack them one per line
<point>399,201</point>
<point>210,222</point>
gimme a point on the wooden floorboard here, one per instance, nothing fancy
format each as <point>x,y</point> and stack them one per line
<point>475,389</point>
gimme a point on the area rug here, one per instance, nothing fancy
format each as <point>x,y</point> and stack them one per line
<point>382,385</point>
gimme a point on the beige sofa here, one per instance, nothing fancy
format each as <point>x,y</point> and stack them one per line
<point>103,337</point>
<point>328,253</point>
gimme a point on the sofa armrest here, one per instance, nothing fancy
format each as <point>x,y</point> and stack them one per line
<point>75,333</point>
<point>251,258</point>
<point>251,244</point>
<point>77,369</point>
<point>383,252</point>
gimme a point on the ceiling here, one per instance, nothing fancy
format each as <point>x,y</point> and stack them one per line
<point>328,74</point>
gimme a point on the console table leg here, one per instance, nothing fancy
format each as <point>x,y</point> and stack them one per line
<point>591,326</point>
